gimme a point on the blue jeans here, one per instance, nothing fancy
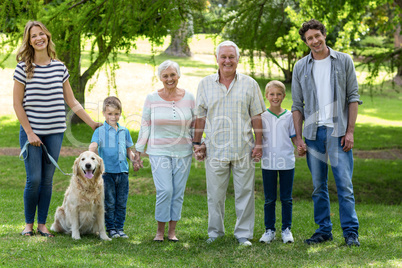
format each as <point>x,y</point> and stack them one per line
<point>170,177</point>
<point>318,152</point>
<point>269,179</point>
<point>116,195</point>
<point>38,187</point>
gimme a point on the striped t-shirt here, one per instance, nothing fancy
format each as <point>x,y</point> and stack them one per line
<point>167,126</point>
<point>43,97</point>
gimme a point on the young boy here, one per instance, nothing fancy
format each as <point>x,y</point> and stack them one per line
<point>113,142</point>
<point>277,157</point>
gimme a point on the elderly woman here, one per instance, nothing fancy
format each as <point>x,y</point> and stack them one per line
<point>167,130</point>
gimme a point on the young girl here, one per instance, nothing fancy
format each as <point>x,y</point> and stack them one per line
<point>277,157</point>
<point>40,88</point>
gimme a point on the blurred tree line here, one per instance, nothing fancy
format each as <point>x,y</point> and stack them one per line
<point>370,30</point>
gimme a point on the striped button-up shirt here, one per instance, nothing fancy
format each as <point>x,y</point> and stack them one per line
<point>228,114</point>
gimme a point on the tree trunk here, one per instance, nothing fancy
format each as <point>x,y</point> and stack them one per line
<point>179,43</point>
<point>288,75</point>
<point>73,63</point>
<point>398,45</point>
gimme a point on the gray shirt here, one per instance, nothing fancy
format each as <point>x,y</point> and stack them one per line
<point>344,90</point>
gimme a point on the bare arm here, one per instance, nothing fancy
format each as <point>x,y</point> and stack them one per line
<point>256,123</point>
<point>93,146</point>
<point>76,107</point>
<point>347,141</point>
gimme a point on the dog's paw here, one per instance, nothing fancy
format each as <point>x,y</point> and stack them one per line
<point>76,236</point>
<point>105,237</point>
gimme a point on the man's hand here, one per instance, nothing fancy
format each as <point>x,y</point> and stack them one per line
<point>347,142</point>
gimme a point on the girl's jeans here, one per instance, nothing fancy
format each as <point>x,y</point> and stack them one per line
<point>38,187</point>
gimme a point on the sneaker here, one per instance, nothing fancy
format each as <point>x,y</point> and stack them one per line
<point>287,236</point>
<point>244,242</point>
<point>211,240</point>
<point>122,234</point>
<point>318,238</point>
<point>113,233</point>
<point>352,240</point>
<point>268,236</point>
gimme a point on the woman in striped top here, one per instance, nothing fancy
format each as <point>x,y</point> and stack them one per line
<point>166,130</point>
<point>41,87</point>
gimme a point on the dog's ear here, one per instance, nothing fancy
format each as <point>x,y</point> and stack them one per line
<point>76,164</point>
<point>102,166</point>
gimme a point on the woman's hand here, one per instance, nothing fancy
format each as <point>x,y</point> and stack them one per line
<point>94,125</point>
<point>34,139</point>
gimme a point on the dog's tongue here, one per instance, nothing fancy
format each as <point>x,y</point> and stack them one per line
<point>89,174</point>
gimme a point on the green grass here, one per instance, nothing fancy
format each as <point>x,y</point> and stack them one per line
<point>380,236</point>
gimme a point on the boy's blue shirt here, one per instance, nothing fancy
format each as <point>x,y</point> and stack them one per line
<point>112,147</point>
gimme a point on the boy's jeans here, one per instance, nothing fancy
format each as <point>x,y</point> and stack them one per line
<point>38,187</point>
<point>318,151</point>
<point>116,195</point>
<point>270,182</point>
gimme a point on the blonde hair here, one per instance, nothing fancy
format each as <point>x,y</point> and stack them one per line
<point>26,53</point>
<point>275,84</point>
<point>112,101</point>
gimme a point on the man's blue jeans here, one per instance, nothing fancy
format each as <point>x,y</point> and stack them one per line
<point>318,152</point>
<point>116,195</point>
<point>38,187</point>
<point>270,182</point>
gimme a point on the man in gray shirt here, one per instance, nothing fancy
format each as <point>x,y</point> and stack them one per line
<point>325,96</point>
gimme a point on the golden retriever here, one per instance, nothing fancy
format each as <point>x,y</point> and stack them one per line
<point>83,210</point>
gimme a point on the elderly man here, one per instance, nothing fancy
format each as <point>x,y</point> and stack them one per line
<point>229,105</point>
<point>325,95</point>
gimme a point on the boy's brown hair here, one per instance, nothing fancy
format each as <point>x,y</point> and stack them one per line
<point>112,101</point>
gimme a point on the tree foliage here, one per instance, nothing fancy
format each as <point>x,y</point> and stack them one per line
<point>271,27</point>
<point>259,26</point>
<point>107,25</point>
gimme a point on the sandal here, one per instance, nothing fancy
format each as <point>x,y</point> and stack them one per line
<point>28,233</point>
<point>44,234</point>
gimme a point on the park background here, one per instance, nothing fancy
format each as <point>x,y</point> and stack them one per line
<point>142,34</point>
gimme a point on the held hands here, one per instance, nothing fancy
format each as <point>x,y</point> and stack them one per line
<point>301,147</point>
<point>257,153</point>
<point>137,162</point>
<point>200,152</point>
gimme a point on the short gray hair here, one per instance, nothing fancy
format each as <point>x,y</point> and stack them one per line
<point>166,64</point>
<point>228,44</point>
